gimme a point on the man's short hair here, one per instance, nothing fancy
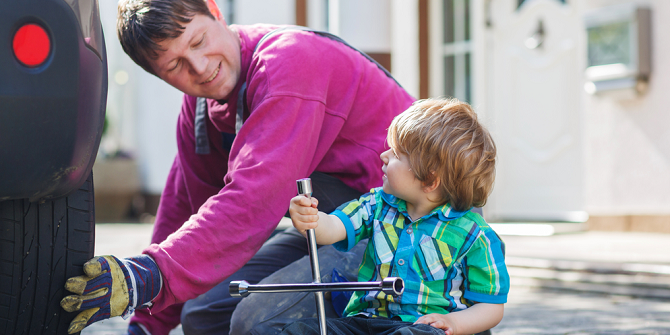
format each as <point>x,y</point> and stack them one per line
<point>443,138</point>
<point>142,24</point>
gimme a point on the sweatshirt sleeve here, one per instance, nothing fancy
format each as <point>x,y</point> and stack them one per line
<point>189,183</point>
<point>275,147</point>
<point>237,198</point>
<point>173,209</point>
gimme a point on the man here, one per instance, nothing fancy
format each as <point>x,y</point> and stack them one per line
<point>293,105</point>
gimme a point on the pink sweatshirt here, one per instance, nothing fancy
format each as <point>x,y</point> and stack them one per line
<point>315,105</point>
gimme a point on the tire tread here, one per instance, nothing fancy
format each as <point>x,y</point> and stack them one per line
<point>49,242</point>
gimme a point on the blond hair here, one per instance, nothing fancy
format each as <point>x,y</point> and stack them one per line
<point>443,139</point>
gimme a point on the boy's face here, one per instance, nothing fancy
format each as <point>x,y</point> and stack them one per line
<point>399,180</point>
<point>204,61</point>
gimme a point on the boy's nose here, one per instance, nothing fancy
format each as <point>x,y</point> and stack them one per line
<point>384,156</point>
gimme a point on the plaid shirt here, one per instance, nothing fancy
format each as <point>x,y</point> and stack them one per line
<point>449,260</point>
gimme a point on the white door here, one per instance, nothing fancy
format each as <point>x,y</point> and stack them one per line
<point>533,107</point>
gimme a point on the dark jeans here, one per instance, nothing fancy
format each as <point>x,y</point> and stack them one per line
<point>268,313</point>
<point>360,326</point>
<point>211,312</point>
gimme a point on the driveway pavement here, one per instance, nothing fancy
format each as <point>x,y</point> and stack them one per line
<point>561,284</point>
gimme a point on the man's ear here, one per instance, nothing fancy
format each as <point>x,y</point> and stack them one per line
<point>214,9</point>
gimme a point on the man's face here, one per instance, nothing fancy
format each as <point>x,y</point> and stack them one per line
<point>204,61</point>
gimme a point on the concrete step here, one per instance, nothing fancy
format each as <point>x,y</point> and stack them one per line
<point>537,228</point>
<point>630,279</point>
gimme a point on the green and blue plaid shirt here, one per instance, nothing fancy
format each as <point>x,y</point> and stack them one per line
<point>449,260</point>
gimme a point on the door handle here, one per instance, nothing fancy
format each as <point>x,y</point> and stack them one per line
<point>536,40</point>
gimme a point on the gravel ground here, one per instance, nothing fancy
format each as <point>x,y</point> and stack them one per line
<point>531,311</point>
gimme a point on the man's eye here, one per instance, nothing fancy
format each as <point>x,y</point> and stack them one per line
<point>174,67</point>
<point>200,42</point>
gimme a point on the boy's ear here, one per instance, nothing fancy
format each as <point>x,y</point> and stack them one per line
<point>427,188</point>
<point>214,9</point>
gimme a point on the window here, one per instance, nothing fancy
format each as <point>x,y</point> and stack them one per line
<point>457,49</point>
<point>522,1</point>
<point>609,44</point>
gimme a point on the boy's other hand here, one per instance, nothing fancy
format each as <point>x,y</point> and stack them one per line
<point>439,321</point>
<point>304,213</point>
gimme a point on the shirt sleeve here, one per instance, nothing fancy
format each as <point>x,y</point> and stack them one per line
<point>486,274</point>
<point>357,216</point>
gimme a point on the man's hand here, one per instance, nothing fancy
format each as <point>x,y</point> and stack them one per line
<point>304,213</point>
<point>111,287</point>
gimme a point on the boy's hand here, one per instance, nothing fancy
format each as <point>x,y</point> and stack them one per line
<point>440,321</point>
<point>304,213</point>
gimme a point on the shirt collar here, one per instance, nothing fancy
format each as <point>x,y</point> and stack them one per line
<point>444,212</point>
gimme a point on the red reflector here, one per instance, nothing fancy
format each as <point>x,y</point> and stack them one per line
<point>31,45</point>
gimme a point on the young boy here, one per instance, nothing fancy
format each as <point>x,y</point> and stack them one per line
<point>440,164</point>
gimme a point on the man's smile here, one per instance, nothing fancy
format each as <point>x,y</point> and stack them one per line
<point>216,72</point>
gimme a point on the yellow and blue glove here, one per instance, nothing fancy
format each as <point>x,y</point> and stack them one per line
<point>111,287</point>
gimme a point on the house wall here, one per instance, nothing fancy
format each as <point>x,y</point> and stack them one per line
<point>264,11</point>
<point>625,138</point>
<point>627,147</point>
<point>405,44</point>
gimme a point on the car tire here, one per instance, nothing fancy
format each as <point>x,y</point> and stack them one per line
<point>41,245</point>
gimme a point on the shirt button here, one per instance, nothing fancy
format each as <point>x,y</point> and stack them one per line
<point>409,230</point>
<point>401,262</point>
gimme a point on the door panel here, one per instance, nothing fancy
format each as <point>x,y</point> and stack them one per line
<point>535,107</point>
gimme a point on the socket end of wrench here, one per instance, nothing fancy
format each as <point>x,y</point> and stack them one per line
<point>393,286</point>
<point>305,186</point>
<point>238,288</point>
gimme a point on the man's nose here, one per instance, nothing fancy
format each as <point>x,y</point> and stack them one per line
<point>198,63</point>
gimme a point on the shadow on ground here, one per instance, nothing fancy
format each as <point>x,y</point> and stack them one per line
<point>532,311</point>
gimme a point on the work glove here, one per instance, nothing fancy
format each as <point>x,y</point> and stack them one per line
<point>111,287</point>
